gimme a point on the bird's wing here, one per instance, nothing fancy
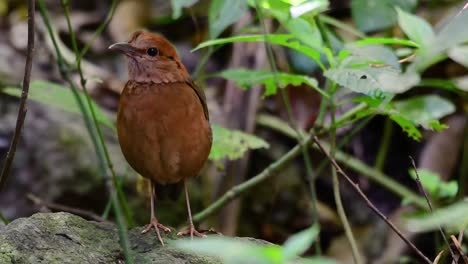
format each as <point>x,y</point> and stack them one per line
<point>201,96</point>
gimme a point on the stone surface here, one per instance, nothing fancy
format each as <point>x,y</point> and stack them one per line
<point>66,238</point>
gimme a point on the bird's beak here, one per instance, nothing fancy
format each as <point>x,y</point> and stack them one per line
<point>124,47</point>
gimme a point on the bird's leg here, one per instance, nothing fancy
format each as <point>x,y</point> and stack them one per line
<point>154,223</point>
<point>191,229</point>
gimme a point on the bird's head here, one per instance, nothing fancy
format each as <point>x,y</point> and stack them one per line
<point>152,58</point>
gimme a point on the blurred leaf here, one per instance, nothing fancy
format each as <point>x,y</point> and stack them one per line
<point>462,83</point>
<point>416,28</point>
<point>222,14</point>
<point>373,15</point>
<point>232,250</point>
<point>315,260</point>
<point>304,29</point>
<point>232,144</point>
<point>316,6</point>
<point>459,54</point>
<point>453,217</point>
<point>434,185</point>
<point>374,81</point>
<point>424,109</point>
<point>454,33</point>
<point>297,244</point>
<point>247,78</point>
<point>60,97</point>
<point>387,41</point>
<point>286,40</point>
<point>177,6</point>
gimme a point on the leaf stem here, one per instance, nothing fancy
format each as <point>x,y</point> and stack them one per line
<point>101,148</point>
<point>299,136</point>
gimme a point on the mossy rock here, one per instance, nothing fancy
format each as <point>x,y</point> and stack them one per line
<point>66,238</point>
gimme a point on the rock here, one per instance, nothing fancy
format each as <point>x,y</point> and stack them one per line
<point>66,238</point>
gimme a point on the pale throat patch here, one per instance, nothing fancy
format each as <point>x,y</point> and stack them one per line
<point>161,71</point>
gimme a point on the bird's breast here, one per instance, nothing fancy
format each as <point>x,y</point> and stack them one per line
<point>162,130</point>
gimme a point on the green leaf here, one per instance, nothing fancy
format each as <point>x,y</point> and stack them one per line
<point>297,244</point>
<point>231,250</point>
<point>374,81</point>
<point>286,40</point>
<point>422,110</point>
<point>232,144</point>
<point>60,97</point>
<point>416,28</point>
<point>222,14</point>
<point>373,15</point>
<point>177,6</point>
<point>305,31</point>
<point>246,78</point>
<point>453,217</point>
<point>370,54</point>
<point>434,185</point>
<point>459,54</point>
<point>387,41</point>
<point>407,126</point>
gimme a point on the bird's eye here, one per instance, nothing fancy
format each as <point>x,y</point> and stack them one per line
<point>152,51</point>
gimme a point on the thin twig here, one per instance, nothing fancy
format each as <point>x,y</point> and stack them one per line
<point>459,248</point>
<point>369,203</point>
<point>406,59</point>
<point>423,191</point>
<point>24,96</point>
<point>59,207</point>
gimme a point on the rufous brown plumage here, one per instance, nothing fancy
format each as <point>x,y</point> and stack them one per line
<point>163,121</point>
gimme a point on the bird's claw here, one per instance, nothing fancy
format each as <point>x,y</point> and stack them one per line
<point>156,225</point>
<point>191,231</point>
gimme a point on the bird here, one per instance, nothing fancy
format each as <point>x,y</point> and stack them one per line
<point>162,120</point>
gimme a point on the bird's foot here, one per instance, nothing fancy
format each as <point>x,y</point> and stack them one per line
<point>156,225</point>
<point>190,231</point>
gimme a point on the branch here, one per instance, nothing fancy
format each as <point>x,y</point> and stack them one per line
<point>58,207</point>
<point>24,96</point>
<point>369,203</point>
